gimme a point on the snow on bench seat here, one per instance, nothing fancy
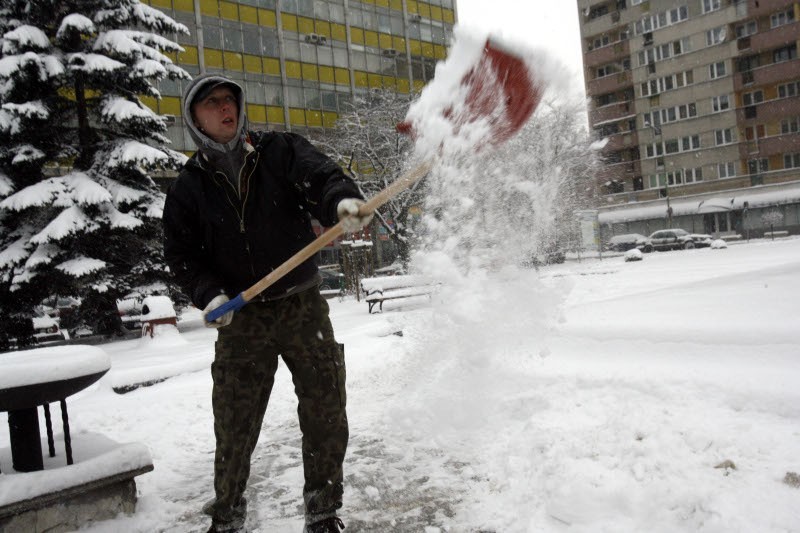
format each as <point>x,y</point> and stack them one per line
<point>379,290</point>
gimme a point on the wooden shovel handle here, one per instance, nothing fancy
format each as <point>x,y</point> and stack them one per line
<point>396,187</point>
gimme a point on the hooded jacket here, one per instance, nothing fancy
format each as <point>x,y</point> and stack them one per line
<point>222,239</point>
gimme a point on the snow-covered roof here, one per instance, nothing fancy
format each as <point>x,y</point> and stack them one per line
<point>714,203</point>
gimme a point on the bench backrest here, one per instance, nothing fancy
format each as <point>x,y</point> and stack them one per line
<point>393,282</point>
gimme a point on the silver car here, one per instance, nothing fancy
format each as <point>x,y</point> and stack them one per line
<point>677,239</point>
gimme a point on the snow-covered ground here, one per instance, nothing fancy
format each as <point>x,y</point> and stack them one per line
<point>585,397</point>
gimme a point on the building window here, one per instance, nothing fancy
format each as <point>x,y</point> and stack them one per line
<point>720,103</point>
<point>753,98</point>
<point>754,132</point>
<point>667,83</point>
<point>745,30</point>
<point>711,5</point>
<point>660,20</point>
<point>782,18</point>
<point>756,166</point>
<point>715,36</point>
<point>598,11</point>
<point>675,178</point>
<point>723,137</point>
<point>599,42</point>
<point>788,90</point>
<point>791,160</point>
<point>790,125</point>
<point>607,70</point>
<point>606,99</point>
<point>691,142</point>
<point>671,146</point>
<point>716,70</point>
<point>784,54</point>
<point>726,170</point>
<point>692,175</point>
<point>747,64</point>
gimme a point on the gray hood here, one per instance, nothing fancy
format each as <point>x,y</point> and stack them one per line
<point>204,143</point>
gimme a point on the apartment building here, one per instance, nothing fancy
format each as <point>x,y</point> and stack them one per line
<point>301,61</point>
<point>699,105</point>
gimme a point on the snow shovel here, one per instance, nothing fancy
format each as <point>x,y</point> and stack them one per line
<point>500,89</point>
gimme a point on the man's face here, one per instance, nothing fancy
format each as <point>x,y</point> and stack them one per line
<point>217,115</point>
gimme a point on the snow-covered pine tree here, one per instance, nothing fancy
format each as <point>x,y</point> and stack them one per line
<point>95,231</point>
<point>33,132</point>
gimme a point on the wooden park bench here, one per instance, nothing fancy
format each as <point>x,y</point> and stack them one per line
<point>378,290</point>
<point>773,234</point>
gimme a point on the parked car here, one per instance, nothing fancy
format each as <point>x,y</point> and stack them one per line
<point>130,310</point>
<point>60,306</point>
<point>46,329</point>
<point>629,241</point>
<point>331,280</point>
<point>676,239</point>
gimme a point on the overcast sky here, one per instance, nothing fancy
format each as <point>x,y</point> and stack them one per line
<point>549,24</point>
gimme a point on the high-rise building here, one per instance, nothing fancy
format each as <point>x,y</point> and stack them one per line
<point>301,61</point>
<point>699,103</point>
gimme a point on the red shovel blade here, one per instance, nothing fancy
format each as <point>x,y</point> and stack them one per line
<point>500,89</point>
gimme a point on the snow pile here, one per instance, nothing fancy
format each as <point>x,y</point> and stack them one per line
<point>718,244</point>
<point>634,254</point>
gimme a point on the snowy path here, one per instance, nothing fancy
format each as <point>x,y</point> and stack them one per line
<point>613,418</point>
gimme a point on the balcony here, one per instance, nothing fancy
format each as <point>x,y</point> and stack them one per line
<point>743,43</point>
<point>608,54</point>
<point>768,146</point>
<point>610,112</point>
<point>770,39</point>
<point>621,141</point>
<point>605,22</point>
<point>759,8</point>
<point>609,84</point>
<point>767,75</point>
<point>619,171</point>
<point>770,111</point>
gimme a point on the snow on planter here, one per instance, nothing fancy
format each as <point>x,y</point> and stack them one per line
<point>158,316</point>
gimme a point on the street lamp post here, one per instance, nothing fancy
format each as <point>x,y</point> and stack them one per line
<point>669,207</point>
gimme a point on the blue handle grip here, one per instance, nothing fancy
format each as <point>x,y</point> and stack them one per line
<point>231,305</point>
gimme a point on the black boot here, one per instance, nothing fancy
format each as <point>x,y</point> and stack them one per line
<point>329,525</point>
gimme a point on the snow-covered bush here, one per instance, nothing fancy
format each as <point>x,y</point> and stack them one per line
<point>634,254</point>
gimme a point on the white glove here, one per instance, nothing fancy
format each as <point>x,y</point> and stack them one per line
<point>348,215</point>
<point>224,320</point>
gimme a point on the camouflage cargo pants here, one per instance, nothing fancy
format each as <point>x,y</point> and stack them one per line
<point>298,329</point>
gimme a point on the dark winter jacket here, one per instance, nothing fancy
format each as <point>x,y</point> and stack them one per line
<point>219,241</point>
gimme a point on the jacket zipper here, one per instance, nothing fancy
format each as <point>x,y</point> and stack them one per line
<point>239,215</point>
<point>244,205</point>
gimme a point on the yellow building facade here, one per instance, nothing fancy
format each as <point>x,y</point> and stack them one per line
<point>302,61</point>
